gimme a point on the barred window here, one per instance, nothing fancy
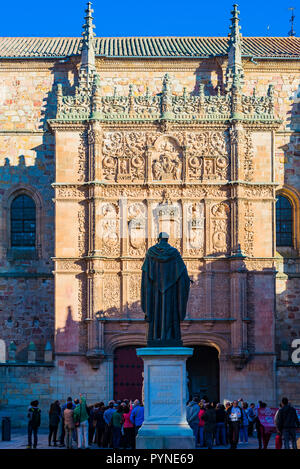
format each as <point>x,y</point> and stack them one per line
<point>23,221</point>
<point>284,222</point>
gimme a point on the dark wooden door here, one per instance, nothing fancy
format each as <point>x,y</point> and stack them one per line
<point>203,373</point>
<point>128,369</point>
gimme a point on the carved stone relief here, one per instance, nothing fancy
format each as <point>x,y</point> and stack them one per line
<point>82,157</point>
<point>123,156</point>
<point>166,160</point>
<point>220,228</point>
<point>137,214</point>
<point>167,217</point>
<point>134,293</point>
<point>111,295</point>
<point>195,224</point>
<point>109,229</point>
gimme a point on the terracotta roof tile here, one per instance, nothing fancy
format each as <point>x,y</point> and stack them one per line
<point>42,47</point>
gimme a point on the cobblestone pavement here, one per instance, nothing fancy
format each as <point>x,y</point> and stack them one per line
<point>19,441</point>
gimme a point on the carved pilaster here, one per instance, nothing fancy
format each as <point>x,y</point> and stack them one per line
<point>208,290</point>
<point>238,308</point>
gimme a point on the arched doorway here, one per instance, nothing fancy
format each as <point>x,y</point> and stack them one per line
<point>128,369</point>
<point>203,372</point>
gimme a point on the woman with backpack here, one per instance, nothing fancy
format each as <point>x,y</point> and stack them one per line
<point>54,419</point>
<point>34,421</point>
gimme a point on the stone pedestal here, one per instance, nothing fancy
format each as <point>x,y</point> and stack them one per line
<point>165,425</point>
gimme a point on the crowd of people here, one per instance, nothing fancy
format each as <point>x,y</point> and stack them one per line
<point>80,426</point>
<point>117,424</point>
<point>229,424</point>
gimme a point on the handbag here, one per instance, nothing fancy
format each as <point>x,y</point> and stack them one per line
<point>278,441</point>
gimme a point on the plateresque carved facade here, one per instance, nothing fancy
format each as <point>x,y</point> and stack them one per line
<point>129,143</point>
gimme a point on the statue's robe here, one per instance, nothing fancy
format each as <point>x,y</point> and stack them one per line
<point>164,294</point>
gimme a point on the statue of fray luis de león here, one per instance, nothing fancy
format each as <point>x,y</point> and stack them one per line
<point>164,293</point>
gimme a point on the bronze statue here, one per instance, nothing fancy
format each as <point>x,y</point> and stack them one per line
<point>165,290</point>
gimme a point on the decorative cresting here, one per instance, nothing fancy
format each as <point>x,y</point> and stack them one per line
<point>87,103</point>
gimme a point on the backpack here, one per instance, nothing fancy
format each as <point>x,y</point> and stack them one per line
<point>35,417</point>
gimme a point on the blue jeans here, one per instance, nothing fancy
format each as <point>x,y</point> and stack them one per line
<point>116,437</point>
<point>83,434</point>
<point>200,436</point>
<point>34,431</point>
<point>208,439</point>
<point>289,434</point>
<point>220,434</point>
<point>194,427</point>
<point>244,433</point>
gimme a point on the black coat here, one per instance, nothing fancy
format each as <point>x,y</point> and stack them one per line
<point>287,418</point>
<point>164,293</point>
<point>54,417</point>
<point>209,418</point>
<point>98,416</point>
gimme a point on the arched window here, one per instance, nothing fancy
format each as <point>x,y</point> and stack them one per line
<point>284,222</point>
<point>23,222</point>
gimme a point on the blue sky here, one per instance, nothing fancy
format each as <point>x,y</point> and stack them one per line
<point>151,18</point>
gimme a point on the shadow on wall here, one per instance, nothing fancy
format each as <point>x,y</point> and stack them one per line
<point>27,161</point>
<point>288,281</point>
<point>66,338</point>
<point>209,74</point>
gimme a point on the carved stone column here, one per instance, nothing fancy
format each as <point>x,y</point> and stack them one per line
<point>237,144</point>
<point>208,290</point>
<point>238,307</point>
<point>94,283</point>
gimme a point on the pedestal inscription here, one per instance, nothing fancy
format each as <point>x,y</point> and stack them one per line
<point>165,424</point>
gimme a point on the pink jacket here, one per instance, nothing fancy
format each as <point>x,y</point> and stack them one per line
<point>200,415</point>
<point>127,422</point>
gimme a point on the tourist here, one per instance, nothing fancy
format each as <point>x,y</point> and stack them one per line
<point>34,421</point>
<point>251,418</point>
<point>54,419</point>
<point>128,426</point>
<point>278,437</point>
<point>92,423</point>
<point>100,423</point>
<point>263,435</point>
<point>227,406</point>
<point>62,428</point>
<point>117,422</point>
<point>234,417</point>
<point>244,424</point>
<point>107,440</point>
<point>81,423</point>
<point>220,425</point>
<point>137,416</point>
<point>209,418</point>
<point>201,423</point>
<point>287,423</point>
<point>192,416</point>
<point>69,423</point>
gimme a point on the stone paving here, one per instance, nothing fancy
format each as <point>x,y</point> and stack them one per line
<point>19,441</point>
